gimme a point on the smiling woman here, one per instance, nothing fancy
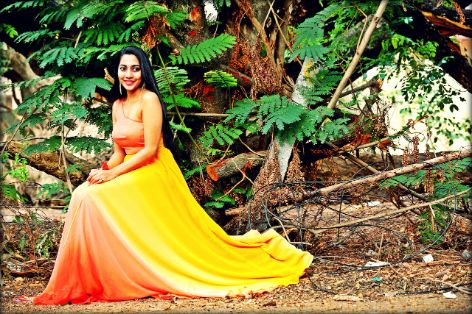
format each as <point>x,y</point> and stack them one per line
<point>135,230</point>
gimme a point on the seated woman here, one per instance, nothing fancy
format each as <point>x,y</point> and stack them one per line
<point>135,230</point>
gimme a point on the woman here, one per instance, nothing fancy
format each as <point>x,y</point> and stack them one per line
<point>135,230</point>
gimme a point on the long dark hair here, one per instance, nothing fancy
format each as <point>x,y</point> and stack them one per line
<point>149,82</point>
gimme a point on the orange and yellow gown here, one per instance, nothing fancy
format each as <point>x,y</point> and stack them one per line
<point>143,234</point>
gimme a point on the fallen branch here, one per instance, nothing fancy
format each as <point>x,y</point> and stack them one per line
<point>395,172</point>
<point>389,213</point>
<point>363,164</point>
<point>228,167</point>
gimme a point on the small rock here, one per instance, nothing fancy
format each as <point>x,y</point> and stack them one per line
<point>466,254</point>
<point>345,297</point>
<point>373,203</point>
<point>428,258</point>
<point>19,279</point>
<point>376,264</point>
<point>449,295</point>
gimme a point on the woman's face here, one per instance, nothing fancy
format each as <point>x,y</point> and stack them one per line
<point>129,72</point>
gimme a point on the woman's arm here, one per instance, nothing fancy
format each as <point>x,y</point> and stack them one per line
<point>152,120</point>
<point>118,152</point>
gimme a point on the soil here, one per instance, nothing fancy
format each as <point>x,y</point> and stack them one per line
<point>410,287</point>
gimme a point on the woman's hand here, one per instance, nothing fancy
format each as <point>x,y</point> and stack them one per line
<point>98,176</point>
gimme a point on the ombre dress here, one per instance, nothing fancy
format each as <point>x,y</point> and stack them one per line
<point>143,234</point>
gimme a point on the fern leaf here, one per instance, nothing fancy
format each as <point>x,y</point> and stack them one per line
<point>241,111</point>
<point>68,112</point>
<point>286,113</point>
<point>125,36</point>
<point>180,127</point>
<point>33,120</point>
<point>59,56</point>
<point>204,51</point>
<point>175,19</point>
<point>49,145</point>
<point>221,133</point>
<point>73,15</point>
<point>309,35</point>
<point>143,10</point>
<point>28,37</point>
<point>220,79</point>
<point>85,87</point>
<point>171,79</point>
<point>53,15</point>
<point>9,191</point>
<point>180,100</point>
<point>87,144</point>
<point>24,5</point>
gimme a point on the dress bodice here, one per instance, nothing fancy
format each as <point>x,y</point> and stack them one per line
<point>127,133</point>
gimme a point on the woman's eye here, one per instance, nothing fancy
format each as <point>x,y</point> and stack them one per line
<point>136,69</point>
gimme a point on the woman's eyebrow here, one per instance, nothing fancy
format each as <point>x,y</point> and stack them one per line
<point>131,65</point>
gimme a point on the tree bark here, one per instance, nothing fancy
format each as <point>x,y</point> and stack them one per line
<point>231,166</point>
<point>395,172</point>
<point>48,163</point>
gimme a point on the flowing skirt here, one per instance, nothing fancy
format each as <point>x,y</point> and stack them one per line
<point>143,234</point>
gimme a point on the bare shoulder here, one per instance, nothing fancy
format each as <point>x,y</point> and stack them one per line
<point>115,104</point>
<point>150,97</point>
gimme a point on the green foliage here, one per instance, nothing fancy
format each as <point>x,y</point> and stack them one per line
<point>220,200</point>
<point>28,37</point>
<point>171,79</point>
<point>180,127</point>
<point>8,29</point>
<point>220,4</point>
<point>204,51</point>
<point>21,5</point>
<point>444,175</point>
<point>321,85</point>
<point>309,38</point>
<point>59,56</point>
<point>425,85</point>
<point>104,35</point>
<point>220,78</point>
<point>431,228</point>
<point>9,191</point>
<point>290,120</point>
<point>222,134</point>
<point>143,10</point>
<point>180,100</point>
<point>68,112</point>
<point>86,143</point>
<point>85,87</point>
<point>16,170</point>
<point>48,145</point>
<point>49,190</point>
<point>191,172</point>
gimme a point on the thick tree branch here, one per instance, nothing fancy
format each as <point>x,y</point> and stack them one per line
<point>395,172</point>
<point>359,51</point>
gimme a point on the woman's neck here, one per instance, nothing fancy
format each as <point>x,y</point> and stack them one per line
<point>134,96</point>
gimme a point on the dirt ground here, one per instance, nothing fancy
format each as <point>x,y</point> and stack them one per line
<point>413,287</point>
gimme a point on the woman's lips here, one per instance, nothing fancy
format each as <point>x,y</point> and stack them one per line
<point>128,82</point>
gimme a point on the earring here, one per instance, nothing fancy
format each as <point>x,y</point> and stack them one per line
<point>120,89</point>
